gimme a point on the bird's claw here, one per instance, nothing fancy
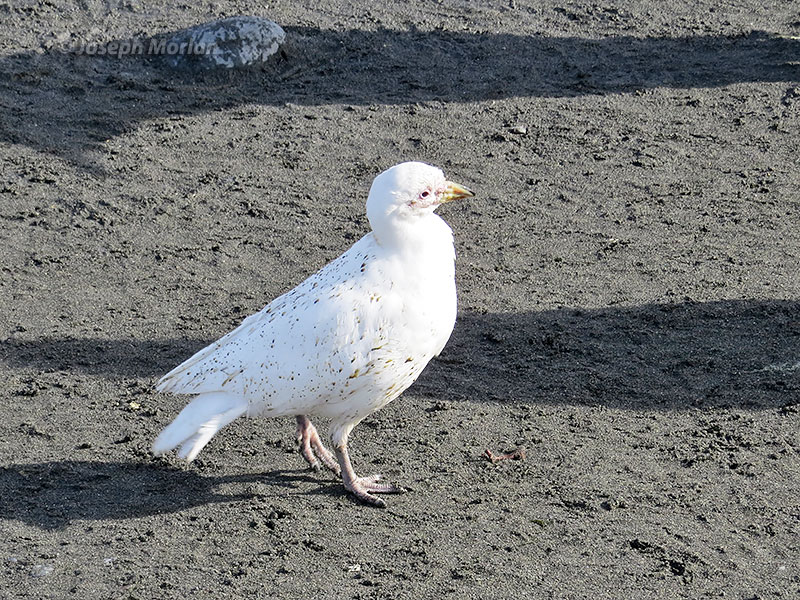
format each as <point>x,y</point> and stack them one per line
<point>363,488</point>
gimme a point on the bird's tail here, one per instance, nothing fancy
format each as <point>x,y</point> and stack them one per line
<point>197,423</point>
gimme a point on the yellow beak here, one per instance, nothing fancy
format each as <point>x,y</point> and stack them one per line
<point>454,191</point>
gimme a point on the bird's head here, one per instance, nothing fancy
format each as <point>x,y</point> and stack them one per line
<point>407,192</point>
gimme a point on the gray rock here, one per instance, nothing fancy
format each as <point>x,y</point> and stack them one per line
<point>230,43</point>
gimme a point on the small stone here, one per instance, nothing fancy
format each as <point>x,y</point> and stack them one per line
<point>518,130</point>
<point>791,96</point>
<point>42,570</point>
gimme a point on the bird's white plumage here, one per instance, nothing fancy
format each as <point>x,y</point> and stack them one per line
<point>347,340</point>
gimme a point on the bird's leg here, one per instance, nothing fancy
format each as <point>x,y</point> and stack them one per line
<point>311,446</point>
<point>361,487</point>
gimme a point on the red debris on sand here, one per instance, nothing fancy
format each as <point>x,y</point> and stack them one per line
<point>516,454</point>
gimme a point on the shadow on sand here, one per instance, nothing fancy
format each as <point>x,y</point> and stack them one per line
<point>51,495</point>
<point>735,353</point>
<point>727,354</point>
<point>68,104</point>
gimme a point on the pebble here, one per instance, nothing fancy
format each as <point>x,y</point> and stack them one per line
<point>518,130</point>
<point>42,570</point>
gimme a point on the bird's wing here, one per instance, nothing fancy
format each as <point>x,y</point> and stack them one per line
<point>253,342</point>
<point>179,380</point>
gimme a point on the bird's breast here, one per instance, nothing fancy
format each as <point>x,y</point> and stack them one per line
<point>354,336</point>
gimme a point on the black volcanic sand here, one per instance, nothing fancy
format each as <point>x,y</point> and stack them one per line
<point>629,300</point>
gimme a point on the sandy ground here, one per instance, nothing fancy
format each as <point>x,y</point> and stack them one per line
<point>629,300</point>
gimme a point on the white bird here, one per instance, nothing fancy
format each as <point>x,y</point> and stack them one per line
<point>345,342</point>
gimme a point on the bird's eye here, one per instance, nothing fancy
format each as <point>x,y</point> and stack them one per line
<point>425,194</point>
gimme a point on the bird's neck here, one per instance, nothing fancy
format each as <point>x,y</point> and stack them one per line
<point>424,235</point>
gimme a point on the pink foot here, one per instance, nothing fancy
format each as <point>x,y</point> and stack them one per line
<point>363,487</point>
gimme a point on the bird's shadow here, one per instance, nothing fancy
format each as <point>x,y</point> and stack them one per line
<point>69,104</point>
<point>52,495</point>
